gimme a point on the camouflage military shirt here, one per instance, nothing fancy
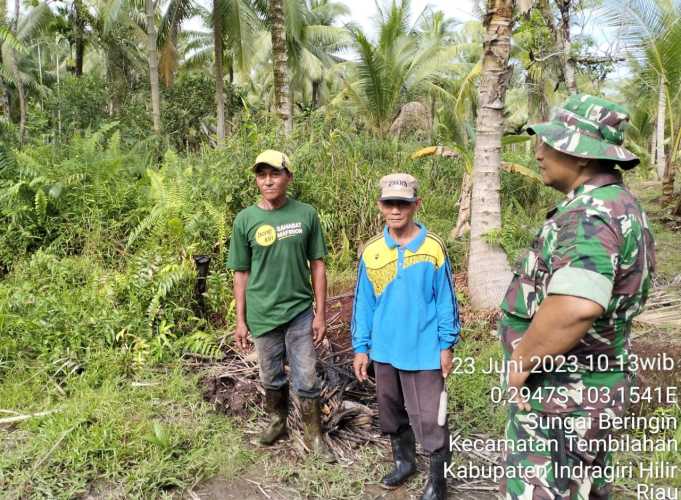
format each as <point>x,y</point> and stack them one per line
<point>596,244</point>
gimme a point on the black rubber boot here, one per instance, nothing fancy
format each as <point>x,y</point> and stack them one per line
<point>436,487</point>
<point>404,455</point>
<point>276,405</point>
<point>312,429</point>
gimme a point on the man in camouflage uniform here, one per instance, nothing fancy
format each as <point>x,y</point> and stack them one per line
<point>568,311</point>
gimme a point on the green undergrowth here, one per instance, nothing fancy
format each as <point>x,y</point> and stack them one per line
<point>97,301</point>
<point>471,404</point>
<point>667,241</point>
<point>146,433</point>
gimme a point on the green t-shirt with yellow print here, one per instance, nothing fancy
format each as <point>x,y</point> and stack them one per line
<point>275,246</point>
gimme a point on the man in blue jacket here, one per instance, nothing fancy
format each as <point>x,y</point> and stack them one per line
<point>406,319</point>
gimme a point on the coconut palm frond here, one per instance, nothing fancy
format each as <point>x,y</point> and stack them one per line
<point>8,38</point>
<point>34,21</point>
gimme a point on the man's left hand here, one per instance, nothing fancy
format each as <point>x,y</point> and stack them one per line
<point>318,328</point>
<point>446,357</point>
<point>516,383</point>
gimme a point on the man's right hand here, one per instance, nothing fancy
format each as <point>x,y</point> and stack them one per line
<point>360,365</point>
<point>241,336</point>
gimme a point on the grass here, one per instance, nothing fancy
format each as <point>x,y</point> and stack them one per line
<point>667,242</point>
<point>140,428</point>
<point>147,435</point>
<point>313,479</point>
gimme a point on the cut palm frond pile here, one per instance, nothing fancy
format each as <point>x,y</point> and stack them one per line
<point>663,308</point>
<point>349,408</point>
<point>349,413</point>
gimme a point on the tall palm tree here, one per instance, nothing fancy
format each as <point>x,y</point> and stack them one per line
<point>4,33</point>
<point>115,26</point>
<point>152,59</point>
<point>401,65</point>
<point>313,44</point>
<point>78,21</point>
<point>652,31</point>
<point>176,11</point>
<point>279,62</point>
<point>218,42</point>
<point>16,58</point>
<point>11,57</point>
<point>234,24</point>
<point>563,41</point>
<point>488,269</point>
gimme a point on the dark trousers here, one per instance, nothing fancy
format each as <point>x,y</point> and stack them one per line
<point>411,397</point>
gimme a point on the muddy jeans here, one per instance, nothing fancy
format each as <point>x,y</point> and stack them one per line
<point>292,340</point>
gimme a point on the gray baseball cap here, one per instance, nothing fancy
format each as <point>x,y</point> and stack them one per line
<point>398,187</point>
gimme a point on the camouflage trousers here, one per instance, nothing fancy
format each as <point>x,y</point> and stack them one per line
<point>556,456</point>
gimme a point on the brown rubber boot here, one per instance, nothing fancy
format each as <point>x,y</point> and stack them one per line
<point>312,428</point>
<point>276,405</point>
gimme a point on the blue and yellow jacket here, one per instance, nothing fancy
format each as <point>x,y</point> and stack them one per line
<point>405,309</point>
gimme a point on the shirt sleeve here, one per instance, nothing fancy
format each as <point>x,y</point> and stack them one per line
<point>362,311</point>
<point>316,246</point>
<point>239,258</point>
<point>585,258</point>
<point>448,326</point>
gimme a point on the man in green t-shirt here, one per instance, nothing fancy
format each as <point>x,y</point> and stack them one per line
<point>276,251</point>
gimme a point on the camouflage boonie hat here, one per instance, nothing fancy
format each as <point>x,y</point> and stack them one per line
<point>588,127</point>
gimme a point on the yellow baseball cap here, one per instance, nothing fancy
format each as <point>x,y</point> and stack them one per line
<point>274,159</point>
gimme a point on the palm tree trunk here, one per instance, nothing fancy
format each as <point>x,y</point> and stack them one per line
<point>4,98</point>
<point>677,208</point>
<point>564,45</point>
<point>14,69</point>
<point>433,109</point>
<point>463,220</point>
<point>653,146</point>
<point>279,63</point>
<point>219,72</point>
<point>22,103</point>
<point>661,162</point>
<point>488,271</point>
<point>315,93</point>
<point>538,105</point>
<point>79,24</point>
<point>668,182</point>
<point>152,56</point>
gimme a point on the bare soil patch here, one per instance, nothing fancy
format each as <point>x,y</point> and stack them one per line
<point>652,346</point>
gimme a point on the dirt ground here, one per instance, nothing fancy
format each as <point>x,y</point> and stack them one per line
<point>248,487</point>
<point>239,399</point>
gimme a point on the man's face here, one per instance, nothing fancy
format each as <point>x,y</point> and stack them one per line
<point>272,182</point>
<point>558,170</point>
<point>398,213</point>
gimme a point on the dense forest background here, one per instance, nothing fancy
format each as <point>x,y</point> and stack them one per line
<point>126,145</point>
